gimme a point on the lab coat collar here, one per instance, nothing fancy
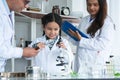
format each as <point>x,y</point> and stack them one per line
<point>7,12</point>
<point>91,19</point>
<point>6,7</point>
<point>54,46</point>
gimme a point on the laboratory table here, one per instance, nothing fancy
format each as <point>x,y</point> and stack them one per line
<point>57,78</point>
<point>24,76</point>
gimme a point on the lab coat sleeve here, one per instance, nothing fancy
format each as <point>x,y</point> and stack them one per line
<point>7,50</point>
<point>79,27</point>
<point>102,41</point>
<point>11,52</point>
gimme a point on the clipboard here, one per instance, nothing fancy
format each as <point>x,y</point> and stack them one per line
<point>67,25</point>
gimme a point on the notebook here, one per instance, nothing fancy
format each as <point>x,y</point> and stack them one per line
<point>67,25</point>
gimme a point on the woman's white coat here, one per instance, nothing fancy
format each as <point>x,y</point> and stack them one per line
<point>93,51</point>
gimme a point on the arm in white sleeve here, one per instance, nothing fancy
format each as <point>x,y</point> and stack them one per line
<point>6,49</point>
<point>102,41</point>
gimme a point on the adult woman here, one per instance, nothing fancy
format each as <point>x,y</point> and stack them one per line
<point>100,29</point>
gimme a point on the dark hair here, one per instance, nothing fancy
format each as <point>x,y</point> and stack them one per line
<point>99,19</point>
<point>50,18</point>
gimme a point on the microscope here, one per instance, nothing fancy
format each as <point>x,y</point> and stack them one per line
<point>62,59</point>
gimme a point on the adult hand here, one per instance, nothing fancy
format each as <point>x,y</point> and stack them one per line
<point>29,52</point>
<point>75,34</point>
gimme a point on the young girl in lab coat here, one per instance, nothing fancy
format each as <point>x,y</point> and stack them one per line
<point>95,50</point>
<point>55,55</point>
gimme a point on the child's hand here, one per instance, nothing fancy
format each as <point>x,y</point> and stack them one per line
<point>61,44</point>
<point>41,45</point>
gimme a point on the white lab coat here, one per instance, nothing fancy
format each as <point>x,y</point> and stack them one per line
<point>6,35</point>
<point>93,51</point>
<point>46,58</point>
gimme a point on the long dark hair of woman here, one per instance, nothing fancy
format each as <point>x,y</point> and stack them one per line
<point>99,19</point>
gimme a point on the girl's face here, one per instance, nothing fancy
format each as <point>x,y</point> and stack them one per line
<point>52,30</point>
<point>93,7</point>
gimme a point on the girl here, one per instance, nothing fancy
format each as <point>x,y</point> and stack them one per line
<point>55,55</point>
